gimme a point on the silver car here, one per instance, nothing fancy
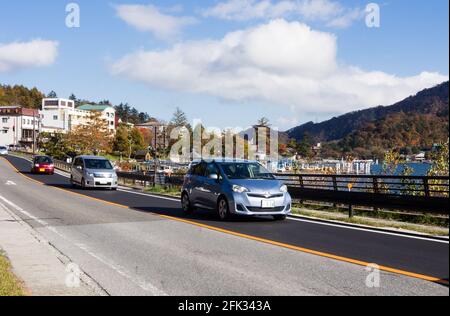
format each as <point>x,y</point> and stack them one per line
<point>235,187</point>
<point>93,172</point>
<point>3,151</point>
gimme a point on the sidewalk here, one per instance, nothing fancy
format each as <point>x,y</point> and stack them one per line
<point>35,262</point>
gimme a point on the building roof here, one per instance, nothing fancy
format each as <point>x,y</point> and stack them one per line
<point>18,110</point>
<point>94,107</point>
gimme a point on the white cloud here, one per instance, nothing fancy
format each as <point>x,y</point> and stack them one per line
<point>148,18</point>
<point>331,12</point>
<point>35,53</point>
<point>281,63</point>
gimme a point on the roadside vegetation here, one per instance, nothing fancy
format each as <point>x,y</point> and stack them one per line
<point>9,284</point>
<point>378,222</point>
<point>165,190</point>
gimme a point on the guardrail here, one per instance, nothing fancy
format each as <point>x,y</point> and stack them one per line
<point>409,193</point>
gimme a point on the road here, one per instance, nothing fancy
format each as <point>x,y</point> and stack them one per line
<point>137,244</point>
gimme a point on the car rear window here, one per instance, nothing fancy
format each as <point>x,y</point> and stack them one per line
<point>43,160</point>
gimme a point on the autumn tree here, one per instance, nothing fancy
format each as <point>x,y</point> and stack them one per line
<point>92,138</point>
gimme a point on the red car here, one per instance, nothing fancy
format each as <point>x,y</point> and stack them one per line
<point>43,164</point>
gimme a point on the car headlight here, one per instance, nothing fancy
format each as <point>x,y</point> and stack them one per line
<point>239,189</point>
<point>91,175</point>
<point>284,188</point>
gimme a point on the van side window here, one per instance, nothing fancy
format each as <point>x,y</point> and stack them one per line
<point>78,162</point>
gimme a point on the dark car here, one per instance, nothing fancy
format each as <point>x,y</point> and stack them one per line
<point>43,164</point>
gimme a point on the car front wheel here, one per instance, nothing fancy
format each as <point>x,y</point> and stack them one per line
<point>186,203</point>
<point>222,209</point>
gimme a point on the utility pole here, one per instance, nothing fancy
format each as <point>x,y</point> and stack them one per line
<point>34,133</point>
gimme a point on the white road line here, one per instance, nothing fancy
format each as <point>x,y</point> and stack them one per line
<point>294,219</point>
<point>368,230</point>
<point>143,285</point>
<point>10,183</point>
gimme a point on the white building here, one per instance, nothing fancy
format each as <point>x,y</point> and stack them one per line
<point>18,126</point>
<point>61,115</point>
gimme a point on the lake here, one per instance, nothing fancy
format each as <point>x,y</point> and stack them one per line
<point>420,169</point>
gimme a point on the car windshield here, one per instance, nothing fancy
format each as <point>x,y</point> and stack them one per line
<point>98,164</point>
<point>246,171</point>
<point>43,159</point>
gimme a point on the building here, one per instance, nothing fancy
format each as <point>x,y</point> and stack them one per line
<point>61,115</point>
<point>108,113</point>
<point>19,126</point>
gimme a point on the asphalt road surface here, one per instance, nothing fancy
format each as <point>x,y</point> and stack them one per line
<point>138,244</point>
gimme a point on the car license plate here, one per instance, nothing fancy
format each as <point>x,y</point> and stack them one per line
<point>267,204</point>
<point>42,170</point>
<point>103,181</point>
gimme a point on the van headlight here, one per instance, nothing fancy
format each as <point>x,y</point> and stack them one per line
<point>284,188</point>
<point>239,189</point>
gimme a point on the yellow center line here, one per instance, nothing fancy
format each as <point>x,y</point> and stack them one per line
<point>263,240</point>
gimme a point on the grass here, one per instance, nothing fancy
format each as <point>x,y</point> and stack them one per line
<point>373,222</point>
<point>381,214</point>
<point>159,189</point>
<point>9,284</point>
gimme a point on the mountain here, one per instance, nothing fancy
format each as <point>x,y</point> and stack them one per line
<point>20,95</point>
<point>430,102</point>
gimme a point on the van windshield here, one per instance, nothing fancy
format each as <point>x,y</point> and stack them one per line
<point>100,164</point>
<point>246,171</point>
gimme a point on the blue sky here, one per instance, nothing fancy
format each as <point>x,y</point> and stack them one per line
<point>224,64</point>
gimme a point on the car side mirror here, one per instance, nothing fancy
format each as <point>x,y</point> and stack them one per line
<point>80,168</point>
<point>214,176</point>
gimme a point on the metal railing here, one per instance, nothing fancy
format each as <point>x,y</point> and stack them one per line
<point>376,184</point>
<point>410,193</point>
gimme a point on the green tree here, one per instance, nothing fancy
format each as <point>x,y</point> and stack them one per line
<point>52,94</point>
<point>179,118</point>
<point>440,161</point>
<point>121,142</point>
<point>55,145</point>
<point>440,167</point>
<point>305,146</point>
<point>137,140</point>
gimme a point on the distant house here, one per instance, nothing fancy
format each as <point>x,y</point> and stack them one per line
<point>420,157</point>
<point>108,113</point>
<point>19,126</point>
<point>61,115</point>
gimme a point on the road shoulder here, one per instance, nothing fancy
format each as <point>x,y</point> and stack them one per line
<point>35,262</point>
